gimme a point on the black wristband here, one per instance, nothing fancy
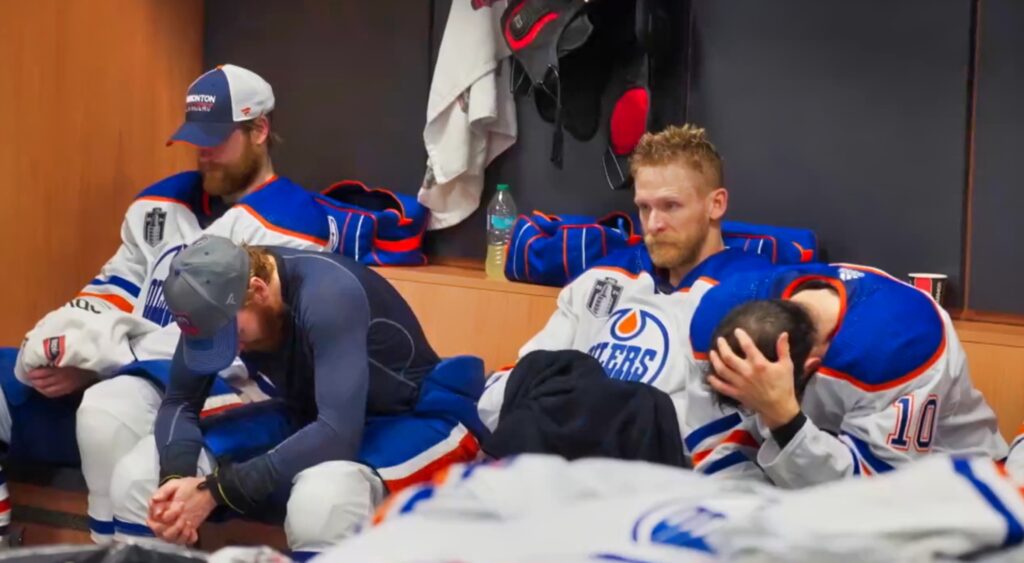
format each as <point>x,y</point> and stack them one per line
<point>785,433</point>
<point>225,492</point>
<point>164,479</point>
<point>177,460</point>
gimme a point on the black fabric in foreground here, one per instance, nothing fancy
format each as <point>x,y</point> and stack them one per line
<point>563,403</point>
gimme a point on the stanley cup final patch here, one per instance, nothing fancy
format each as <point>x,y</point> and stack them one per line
<point>53,349</point>
<point>153,228</point>
<point>604,297</point>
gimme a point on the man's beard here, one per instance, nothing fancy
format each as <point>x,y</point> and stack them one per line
<point>271,329</point>
<point>670,250</point>
<point>228,179</point>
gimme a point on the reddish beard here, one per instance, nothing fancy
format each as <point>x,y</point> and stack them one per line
<point>271,330</point>
<point>227,179</point>
<point>672,250</point>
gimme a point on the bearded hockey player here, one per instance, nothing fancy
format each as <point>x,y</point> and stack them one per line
<point>632,311</point>
<point>120,316</point>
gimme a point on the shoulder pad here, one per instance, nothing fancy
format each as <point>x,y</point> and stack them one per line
<point>185,188</point>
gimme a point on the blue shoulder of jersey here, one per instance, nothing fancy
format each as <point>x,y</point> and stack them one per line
<point>635,260</point>
<point>890,334</point>
<point>746,281</point>
<point>735,290</point>
<point>725,264</point>
<point>632,260</point>
<point>185,188</point>
<point>285,206</point>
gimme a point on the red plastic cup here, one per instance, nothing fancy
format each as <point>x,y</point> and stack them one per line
<point>932,284</point>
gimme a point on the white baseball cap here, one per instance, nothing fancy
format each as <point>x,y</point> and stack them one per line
<point>218,100</point>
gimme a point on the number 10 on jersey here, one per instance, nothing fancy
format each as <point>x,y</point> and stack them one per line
<point>914,425</point>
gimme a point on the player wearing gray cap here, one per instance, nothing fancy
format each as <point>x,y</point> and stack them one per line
<point>364,408</point>
<point>69,360</point>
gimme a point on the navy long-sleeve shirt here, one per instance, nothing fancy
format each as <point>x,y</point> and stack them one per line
<point>352,347</point>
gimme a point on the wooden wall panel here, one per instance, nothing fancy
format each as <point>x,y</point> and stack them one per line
<point>998,371</point>
<point>89,92</point>
<point>995,354</point>
<point>464,313</point>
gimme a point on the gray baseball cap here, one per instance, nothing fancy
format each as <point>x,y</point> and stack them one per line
<point>206,287</point>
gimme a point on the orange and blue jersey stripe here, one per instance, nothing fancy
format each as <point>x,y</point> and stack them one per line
<point>713,428</point>
<point>735,437</point>
<point>1014,528</point>
<point>118,282</point>
<point>864,457</point>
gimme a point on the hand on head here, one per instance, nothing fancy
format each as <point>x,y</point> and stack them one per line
<point>761,385</point>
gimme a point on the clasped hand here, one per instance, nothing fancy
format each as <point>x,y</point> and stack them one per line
<point>178,508</point>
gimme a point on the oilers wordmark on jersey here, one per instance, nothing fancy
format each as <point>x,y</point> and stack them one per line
<point>636,347</point>
<point>624,313</point>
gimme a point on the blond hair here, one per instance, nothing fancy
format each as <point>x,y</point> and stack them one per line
<point>261,265</point>
<point>687,146</point>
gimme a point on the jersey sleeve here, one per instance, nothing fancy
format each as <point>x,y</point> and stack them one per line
<point>99,321</point>
<point>1015,459</point>
<point>557,334</point>
<point>120,279</point>
<point>881,432</point>
<point>493,397</point>
<point>718,440</point>
<point>949,505</point>
<point>560,330</point>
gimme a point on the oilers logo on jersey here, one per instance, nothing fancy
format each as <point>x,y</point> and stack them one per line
<point>154,307</point>
<point>678,524</point>
<point>636,347</point>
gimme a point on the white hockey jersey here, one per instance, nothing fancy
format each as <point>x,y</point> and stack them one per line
<point>1015,459</point>
<point>893,385</point>
<point>543,508</point>
<point>623,313</point>
<point>119,314</point>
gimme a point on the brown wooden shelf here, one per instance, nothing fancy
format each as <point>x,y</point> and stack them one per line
<point>987,332</point>
<point>457,276</point>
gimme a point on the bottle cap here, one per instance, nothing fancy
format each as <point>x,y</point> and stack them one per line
<point>502,187</point>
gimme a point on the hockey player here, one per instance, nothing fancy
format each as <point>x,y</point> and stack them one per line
<point>365,410</point>
<point>632,311</point>
<point>840,370</point>
<point>120,316</point>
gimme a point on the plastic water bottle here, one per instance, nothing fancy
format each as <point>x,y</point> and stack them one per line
<point>501,217</point>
